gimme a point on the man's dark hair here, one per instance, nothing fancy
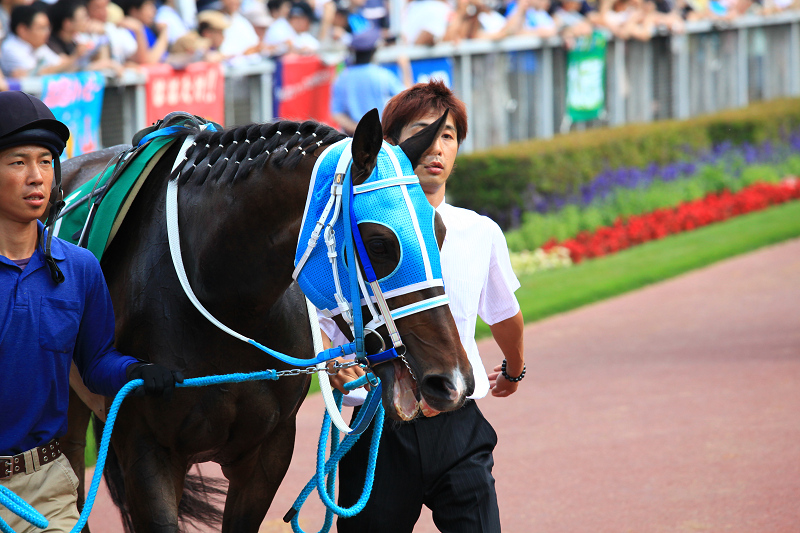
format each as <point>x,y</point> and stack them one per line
<point>61,11</point>
<point>127,5</point>
<point>24,14</point>
<point>362,57</point>
<point>274,5</point>
<point>417,101</point>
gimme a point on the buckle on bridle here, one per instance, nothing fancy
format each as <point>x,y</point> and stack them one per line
<point>370,330</point>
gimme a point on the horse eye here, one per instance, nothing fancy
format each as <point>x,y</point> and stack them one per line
<point>377,247</point>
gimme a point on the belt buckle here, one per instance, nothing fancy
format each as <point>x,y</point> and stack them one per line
<point>8,471</point>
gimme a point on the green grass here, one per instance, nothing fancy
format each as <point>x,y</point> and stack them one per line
<point>90,453</point>
<point>555,291</point>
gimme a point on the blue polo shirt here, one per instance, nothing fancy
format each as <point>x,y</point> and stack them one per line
<point>361,88</point>
<point>43,327</point>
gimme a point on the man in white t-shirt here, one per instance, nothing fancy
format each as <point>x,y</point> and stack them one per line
<point>291,34</point>
<point>122,44</point>
<point>25,52</point>
<point>240,37</point>
<point>443,462</point>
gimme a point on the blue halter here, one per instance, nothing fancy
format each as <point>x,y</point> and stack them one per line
<point>392,197</point>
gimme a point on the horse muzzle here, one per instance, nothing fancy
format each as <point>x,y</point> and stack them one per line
<point>409,393</point>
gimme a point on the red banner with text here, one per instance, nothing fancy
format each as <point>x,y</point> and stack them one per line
<point>303,88</point>
<point>198,89</point>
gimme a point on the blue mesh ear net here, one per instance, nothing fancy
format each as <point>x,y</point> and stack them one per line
<point>403,208</point>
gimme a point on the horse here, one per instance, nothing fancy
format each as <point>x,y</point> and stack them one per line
<point>241,202</point>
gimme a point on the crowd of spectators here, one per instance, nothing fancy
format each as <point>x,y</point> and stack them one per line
<point>54,36</point>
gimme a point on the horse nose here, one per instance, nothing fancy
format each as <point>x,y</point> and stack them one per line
<point>441,389</point>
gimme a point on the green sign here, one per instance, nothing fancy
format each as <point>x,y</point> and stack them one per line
<point>586,73</point>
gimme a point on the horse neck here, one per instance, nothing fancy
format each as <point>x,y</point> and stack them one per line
<point>241,238</point>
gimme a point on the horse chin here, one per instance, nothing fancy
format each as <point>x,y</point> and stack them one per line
<point>407,402</point>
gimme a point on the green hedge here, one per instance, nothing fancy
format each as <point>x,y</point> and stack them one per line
<point>502,180</point>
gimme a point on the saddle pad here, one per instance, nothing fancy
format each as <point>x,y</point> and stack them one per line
<point>116,202</point>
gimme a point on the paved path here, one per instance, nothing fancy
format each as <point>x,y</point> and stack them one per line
<point>674,408</point>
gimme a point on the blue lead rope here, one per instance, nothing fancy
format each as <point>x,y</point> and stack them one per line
<point>21,508</point>
<point>111,418</point>
<point>24,510</point>
<point>325,478</point>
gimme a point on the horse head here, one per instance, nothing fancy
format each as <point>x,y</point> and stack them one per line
<point>401,234</point>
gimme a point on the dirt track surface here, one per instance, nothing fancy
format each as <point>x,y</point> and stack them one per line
<point>674,408</point>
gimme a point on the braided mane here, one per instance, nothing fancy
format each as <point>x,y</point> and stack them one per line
<point>233,153</point>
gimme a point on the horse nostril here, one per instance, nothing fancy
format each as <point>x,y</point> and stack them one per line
<point>440,387</point>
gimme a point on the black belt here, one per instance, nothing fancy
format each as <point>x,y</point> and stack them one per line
<point>37,458</point>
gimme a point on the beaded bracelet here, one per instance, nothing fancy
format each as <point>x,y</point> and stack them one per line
<point>509,378</point>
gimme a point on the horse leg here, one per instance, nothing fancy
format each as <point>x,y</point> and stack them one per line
<point>73,443</point>
<point>153,481</point>
<point>255,479</point>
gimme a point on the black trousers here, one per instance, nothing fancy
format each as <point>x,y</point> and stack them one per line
<point>444,462</point>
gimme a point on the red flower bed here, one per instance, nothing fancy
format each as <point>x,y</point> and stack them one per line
<point>638,229</point>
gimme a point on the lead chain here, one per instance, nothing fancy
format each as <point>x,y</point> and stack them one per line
<point>332,370</point>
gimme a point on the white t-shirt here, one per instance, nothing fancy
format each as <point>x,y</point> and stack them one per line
<point>18,54</point>
<point>239,36</point>
<point>176,27</point>
<point>425,15</point>
<point>122,44</point>
<point>478,279</point>
<point>282,32</point>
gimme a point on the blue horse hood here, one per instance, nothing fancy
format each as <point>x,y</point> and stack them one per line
<point>392,197</point>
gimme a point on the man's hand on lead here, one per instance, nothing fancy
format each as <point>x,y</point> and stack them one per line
<point>159,381</point>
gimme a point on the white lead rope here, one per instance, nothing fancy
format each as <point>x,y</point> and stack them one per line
<point>322,374</point>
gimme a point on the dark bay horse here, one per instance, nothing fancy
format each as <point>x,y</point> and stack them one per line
<point>241,199</point>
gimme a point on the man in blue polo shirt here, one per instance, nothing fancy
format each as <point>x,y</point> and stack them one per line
<point>54,309</point>
<point>363,85</point>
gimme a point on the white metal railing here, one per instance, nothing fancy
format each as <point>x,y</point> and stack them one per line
<point>514,89</point>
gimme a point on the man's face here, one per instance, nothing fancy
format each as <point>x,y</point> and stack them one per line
<point>26,177</point>
<point>231,6</point>
<point>215,36</point>
<point>299,23</point>
<point>37,33</point>
<point>77,24</point>
<point>145,14</point>
<point>98,9</point>
<point>437,163</point>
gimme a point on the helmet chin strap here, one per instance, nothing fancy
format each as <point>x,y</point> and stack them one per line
<point>57,203</point>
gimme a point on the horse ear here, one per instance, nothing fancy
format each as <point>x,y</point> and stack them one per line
<point>367,141</point>
<point>418,144</point>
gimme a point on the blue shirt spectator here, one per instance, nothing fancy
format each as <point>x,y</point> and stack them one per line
<point>362,86</point>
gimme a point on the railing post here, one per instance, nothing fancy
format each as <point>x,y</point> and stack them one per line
<point>618,83</point>
<point>794,58</point>
<point>679,45</point>
<point>140,116</point>
<point>648,89</point>
<point>266,96</point>
<point>742,67</point>
<point>545,127</point>
<point>466,96</point>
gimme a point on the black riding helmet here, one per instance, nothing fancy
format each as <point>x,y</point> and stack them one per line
<point>24,119</point>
